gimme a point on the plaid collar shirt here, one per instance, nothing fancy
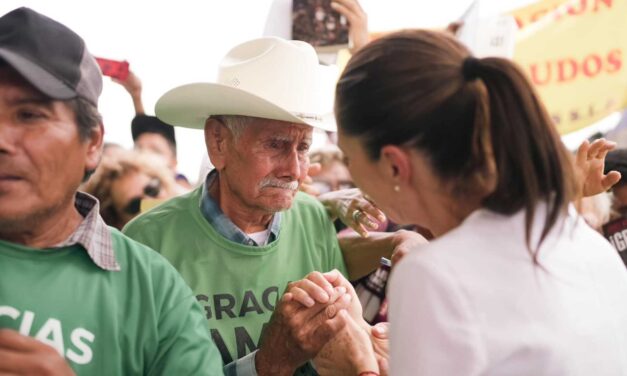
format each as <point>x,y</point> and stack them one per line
<point>223,225</point>
<point>93,233</point>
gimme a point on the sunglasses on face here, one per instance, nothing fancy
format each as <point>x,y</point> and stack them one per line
<point>151,189</point>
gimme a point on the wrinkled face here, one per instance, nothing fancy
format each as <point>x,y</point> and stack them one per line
<point>157,144</point>
<point>266,164</point>
<point>42,158</point>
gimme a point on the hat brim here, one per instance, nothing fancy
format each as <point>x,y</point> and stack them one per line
<point>37,76</point>
<point>190,105</point>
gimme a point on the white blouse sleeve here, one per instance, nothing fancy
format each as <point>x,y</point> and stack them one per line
<point>433,329</point>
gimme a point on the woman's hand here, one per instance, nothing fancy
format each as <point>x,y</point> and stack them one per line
<point>589,164</point>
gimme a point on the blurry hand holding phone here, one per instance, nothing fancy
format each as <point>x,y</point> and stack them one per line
<point>113,68</point>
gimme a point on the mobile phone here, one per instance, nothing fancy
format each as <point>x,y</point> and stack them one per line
<point>113,68</point>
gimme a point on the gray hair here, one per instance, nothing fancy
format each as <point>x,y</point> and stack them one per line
<point>234,123</point>
<point>88,119</point>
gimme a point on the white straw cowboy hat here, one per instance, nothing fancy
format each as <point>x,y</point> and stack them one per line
<point>269,78</point>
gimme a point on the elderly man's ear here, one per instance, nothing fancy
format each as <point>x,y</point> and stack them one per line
<point>216,136</point>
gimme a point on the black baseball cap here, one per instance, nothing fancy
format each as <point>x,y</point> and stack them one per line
<point>50,56</point>
<point>616,160</point>
<point>151,124</point>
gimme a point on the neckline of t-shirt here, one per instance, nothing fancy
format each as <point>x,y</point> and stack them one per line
<point>229,245</point>
<point>24,252</point>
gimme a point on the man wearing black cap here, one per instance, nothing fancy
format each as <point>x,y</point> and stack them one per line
<point>75,294</point>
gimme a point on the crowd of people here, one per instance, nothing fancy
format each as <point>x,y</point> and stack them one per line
<point>448,176</point>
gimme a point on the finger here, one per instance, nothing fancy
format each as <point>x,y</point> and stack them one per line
<point>373,211</point>
<point>355,223</point>
<point>384,366</point>
<point>360,229</point>
<point>352,5</point>
<point>582,152</point>
<point>12,362</point>
<point>301,296</point>
<point>595,147</point>
<point>314,169</point>
<point>336,278</point>
<point>315,291</point>
<point>12,340</point>
<point>338,292</point>
<point>351,16</point>
<point>287,297</point>
<point>381,330</point>
<point>368,222</point>
<point>610,179</point>
<point>606,149</point>
<point>318,279</point>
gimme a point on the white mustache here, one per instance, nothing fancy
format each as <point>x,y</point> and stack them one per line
<point>276,183</point>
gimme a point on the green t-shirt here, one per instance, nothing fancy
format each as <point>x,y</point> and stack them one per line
<point>239,285</point>
<point>142,320</point>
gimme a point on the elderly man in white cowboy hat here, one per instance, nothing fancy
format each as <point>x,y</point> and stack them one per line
<point>240,238</point>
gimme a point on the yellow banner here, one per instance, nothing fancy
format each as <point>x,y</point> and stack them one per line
<point>574,53</point>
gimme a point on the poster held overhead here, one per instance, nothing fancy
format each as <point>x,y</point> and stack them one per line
<point>315,22</point>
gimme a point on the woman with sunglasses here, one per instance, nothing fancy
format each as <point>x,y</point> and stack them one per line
<point>126,178</point>
<point>515,282</point>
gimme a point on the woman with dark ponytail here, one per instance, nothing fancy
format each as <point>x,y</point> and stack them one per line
<point>515,282</point>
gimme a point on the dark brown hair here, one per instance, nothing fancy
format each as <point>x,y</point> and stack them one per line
<point>470,117</point>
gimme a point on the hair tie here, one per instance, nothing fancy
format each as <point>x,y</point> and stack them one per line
<point>470,68</point>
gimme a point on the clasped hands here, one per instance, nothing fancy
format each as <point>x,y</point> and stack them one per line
<point>319,319</point>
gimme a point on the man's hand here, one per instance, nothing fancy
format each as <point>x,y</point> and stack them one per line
<point>358,344</point>
<point>589,163</point>
<point>353,209</point>
<point>381,345</point>
<point>357,22</point>
<point>403,242</point>
<point>133,85</point>
<point>307,186</point>
<point>305,319</point>
<point>350,352</point>
<point>22,355</point>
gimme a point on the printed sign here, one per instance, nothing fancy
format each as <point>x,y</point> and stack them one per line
<point>573,52</point>
<point>616,232</point>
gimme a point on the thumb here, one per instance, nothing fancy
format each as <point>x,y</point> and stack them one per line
<point>314,169</point>
<point>610,179</point>
<point>381,330</point>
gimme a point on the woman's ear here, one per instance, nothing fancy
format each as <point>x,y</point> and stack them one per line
<point>396,164</point>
